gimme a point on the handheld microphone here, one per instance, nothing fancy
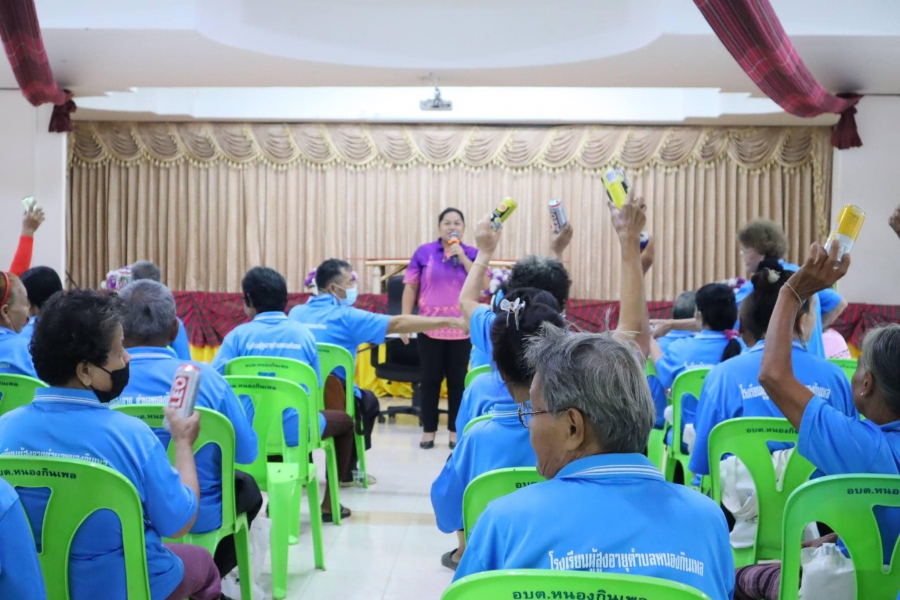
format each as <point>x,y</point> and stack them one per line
<point>454,239</point>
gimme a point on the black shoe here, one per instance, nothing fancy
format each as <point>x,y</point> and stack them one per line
<point>452,445</point>
<point>447,560</point>
<point>427,445</point>
<point>329,517</point>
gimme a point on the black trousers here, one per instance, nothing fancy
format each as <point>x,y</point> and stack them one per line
<point>441,359</point>
<point>248,499</point>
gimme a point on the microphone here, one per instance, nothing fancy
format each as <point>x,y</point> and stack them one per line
<point>454,239</point>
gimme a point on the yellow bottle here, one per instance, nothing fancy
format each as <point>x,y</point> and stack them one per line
<point>849,223</point>
<point>502,212</point>
<point>616,185</point>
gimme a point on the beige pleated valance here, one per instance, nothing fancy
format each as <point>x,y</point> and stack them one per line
<point>361,146</point>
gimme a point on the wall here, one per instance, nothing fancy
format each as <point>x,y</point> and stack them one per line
<point>868,178</point>
<point>32,162</point>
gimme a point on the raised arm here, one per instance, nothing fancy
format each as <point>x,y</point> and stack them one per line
<point>486,240</point>
<point>634,319</point>
<point>560,240</point>
<point>30,223</point>
<point>776,373</point>
<point>406,324</point>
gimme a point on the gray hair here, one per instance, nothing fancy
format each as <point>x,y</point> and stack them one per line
<point>880,357</point>
<point>144,269</point>
<point>685,305</point>
<point>601,377</point>
<point>148,310</point>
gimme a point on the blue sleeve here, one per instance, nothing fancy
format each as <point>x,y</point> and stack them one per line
<point>837,444</point>
<point>169,505</point>
<point>829,299</point>
<point>181,345</point>
<point>20,569</point>
<point>480,328</point>
<point>657,392</point>
<point>464,414</point>
<point>671,364</point>
<point>312,352</point>
<point>447,495</point>
<point>366,327</point>
<point>245,443</point>
<point>482,547</point>
<point>226,353</point>
<point>711,410</point>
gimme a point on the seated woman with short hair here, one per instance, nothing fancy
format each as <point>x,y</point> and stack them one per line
<point>14,356</point>
<point>836,444</point>
<point>78,350</point>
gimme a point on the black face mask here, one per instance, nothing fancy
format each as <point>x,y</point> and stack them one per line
<point>119,379</point>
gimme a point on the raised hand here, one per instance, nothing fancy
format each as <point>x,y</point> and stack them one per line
<point>820,271</point>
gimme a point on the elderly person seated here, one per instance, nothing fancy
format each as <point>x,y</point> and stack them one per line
<point>836,444</point>
<point>78,350</point>
<point>144,269</point>
<point>40,283</point>
<point>150,325</point>
<point>271,333</point>
<point>14,356</point>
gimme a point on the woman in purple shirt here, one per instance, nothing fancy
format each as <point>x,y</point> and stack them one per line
<point>435,277</point>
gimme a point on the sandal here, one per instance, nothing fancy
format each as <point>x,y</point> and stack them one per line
<point>447,560</point>
<point>328,517</point>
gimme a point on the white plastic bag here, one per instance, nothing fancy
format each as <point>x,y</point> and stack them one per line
<point>259,549</point>
<point>827,573</point>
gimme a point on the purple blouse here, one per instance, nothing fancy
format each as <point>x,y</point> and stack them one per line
<point>439,285</point>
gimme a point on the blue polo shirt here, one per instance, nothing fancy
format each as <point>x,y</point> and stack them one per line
<point>181,345</point>
<point>498,443</point>
<point>660,400</point>
<point>840,445</point>
<point>732,390</point>
<point>71,423</point>
<point>333,323</point>
<point>480,329</point>
<point>827,301</point>
<point>152,372</point>
<point>28,331</point>
<point>20,569</point>
<point>272,334</point>
<point>483,393</point>
<point>15,356</point>
<point>477,358</point>
<point>595,516</point>
<point>676,334</point>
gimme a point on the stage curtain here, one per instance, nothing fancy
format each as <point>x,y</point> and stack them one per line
<point>209,201</point>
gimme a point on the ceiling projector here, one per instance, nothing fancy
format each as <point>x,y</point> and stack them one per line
<point>436,103</point>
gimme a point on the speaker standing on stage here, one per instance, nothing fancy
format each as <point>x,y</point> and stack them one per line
<point>435,277</point>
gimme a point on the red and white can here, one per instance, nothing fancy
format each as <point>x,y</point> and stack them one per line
<point>183,395</point>
<point>557,215</point>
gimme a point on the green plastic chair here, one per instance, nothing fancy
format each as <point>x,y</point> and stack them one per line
<point>216,429</point>
<point>284,482</point>
<point>688,382</point>
<point>471,375</point>
<point>527,583</point>
<point>331,357</point>
<point>847,365</point>
<point>476,420</point>
<point>845,503</point>
<point>492,485</point>
<point>746,438</point>
<point>16,391</point>
<point>69,506</point>
<point>305,375</point>
<point>656,443</point>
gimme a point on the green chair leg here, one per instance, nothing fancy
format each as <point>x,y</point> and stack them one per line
<point>334,481</point>
<point>361,459</point>
<point>280,499</point>
<point>294,523</point>
<point>242,548</point>
<point>315,520</point>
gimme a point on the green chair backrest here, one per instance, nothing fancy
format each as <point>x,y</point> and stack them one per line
<point>16,391</point>
<point>688,382</point>
<point>332,356</point>
<point>847,365</point>
<point>650,369</point>
<point>215,428</point>
<point>844,503</point>
<point>77,490</point>
<point>746,438</point>
<point>271,396</point>
<point>492,485</point>
<point>476,420</point>
<point>283,368</point>
<point>471,375</point>
<point>544,583</point>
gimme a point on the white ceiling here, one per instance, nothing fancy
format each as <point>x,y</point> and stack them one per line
<point>146,47</point>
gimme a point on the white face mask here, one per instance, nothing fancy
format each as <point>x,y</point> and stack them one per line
<point>352,295</point>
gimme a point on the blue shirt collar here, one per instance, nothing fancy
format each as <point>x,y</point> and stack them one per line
<point>710,335</point>
<point>677,333</point>
<point>758,347</point>
<point>272,315</point>
<point>69,395</point>
<point>6,331</point>
<point>323,298</point>
<point>151,352</point>
<point>610,465</point>
<point>506,410</point>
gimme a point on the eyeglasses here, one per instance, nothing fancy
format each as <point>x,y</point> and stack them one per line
<point>525,415</point>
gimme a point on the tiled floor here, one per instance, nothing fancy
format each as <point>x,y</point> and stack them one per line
<point>390,548</point>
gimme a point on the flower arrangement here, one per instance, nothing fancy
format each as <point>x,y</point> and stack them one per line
<point>498,276</point>
<point>735,283</point>
<point>310,282</point>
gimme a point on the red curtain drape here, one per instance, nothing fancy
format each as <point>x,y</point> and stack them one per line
<point>24,46</point>
<point>752,33</point>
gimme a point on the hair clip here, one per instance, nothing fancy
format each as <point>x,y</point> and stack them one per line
<point>513,308</point>
<point>773,276</point>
